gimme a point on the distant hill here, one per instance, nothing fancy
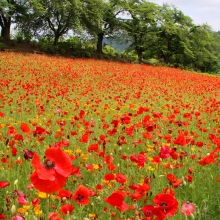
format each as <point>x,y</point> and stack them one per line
<point>116,44</point>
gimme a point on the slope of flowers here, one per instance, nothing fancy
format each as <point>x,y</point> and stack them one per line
<point>88,139</point>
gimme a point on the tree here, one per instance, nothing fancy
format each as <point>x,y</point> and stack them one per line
<point>10,10</point>
<point>173,28</point>
<point>142,25</point>
<point>105,23</point>
<point>205,45</point>
<point>52,18</point>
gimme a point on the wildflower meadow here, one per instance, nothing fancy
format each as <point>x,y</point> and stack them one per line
<point>88,139</point>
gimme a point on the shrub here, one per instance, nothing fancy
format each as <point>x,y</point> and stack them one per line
<point>151,61</point>
<point>34,43</point>
<point>110,50</point>
<point>18,36</point>
<point>48,48</point>
<point>73,43</point>
<point>129,56</point>
<point>62,51</point>
<point>52,49</point>
<point>44,47</point>
<point>2,46</point>
<point>82,53</point>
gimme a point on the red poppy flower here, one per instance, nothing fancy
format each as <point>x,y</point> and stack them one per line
<point>116,198</point>
<point>109,176</point>
<point>54,216</point>
<point>66,209</point>
<point>171,177</point>
<point>18,137</point>
<point>22,200</point>
<point>25,128</point>
<point>2,115</point>
<point>148,210</point>
<point>208,159</point>
<point>35,201</point>
<point>3,184</point>
<point>76,172</point>
<point>133,158</point>
<point>84,138</point>
<point>164,152</point>
<point>93,147</point>
<point>28,154</point>
<point>81,195</point>
<point>167,205</point>
<point>40,131</point>
<point>64,193</point>
<point>108,159</point>
<point>177,183</point>
<point>217,141</point>
<point>52,175</point>
<point>99,186</point>
<point>180,140</point>
<point>124,207</point>
<point>2,216</point>
<point>189,178</point>
<point>187,208</point>
<point>111,166</point>
<point>120,178</point>
<point>140,160</point>
<point>140,192</point>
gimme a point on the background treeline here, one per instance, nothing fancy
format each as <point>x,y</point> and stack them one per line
<point>154,34</point>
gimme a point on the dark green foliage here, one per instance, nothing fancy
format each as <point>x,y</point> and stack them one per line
<point>2,46</point>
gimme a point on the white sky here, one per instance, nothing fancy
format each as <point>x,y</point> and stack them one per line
<point>201,11</point>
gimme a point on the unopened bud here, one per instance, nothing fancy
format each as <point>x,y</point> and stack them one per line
<point>64,199</point>
<point>16,182</point>
<point>98,198</point>
<point>13,210</point>
<point>192,216</point>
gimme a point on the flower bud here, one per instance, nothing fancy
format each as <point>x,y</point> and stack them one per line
<point>16,182</point>
<point>64,199</point>
<point>13,210</point>
<point>192,216</point>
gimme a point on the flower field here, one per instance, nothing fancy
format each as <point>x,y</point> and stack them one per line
<point>88,139</point>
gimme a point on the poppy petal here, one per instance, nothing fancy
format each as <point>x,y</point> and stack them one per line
<point>63,163</point>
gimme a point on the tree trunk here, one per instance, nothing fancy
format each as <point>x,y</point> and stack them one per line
<point>99,42</point>
<point>140,56</point>
<point>139,53</point>
<point>167,59</point>
<point>56,39</point>
<point>5,32</point>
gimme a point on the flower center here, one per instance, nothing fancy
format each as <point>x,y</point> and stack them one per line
<point>49,164</point>
<point>163,204</point>
<point>79,198</point>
